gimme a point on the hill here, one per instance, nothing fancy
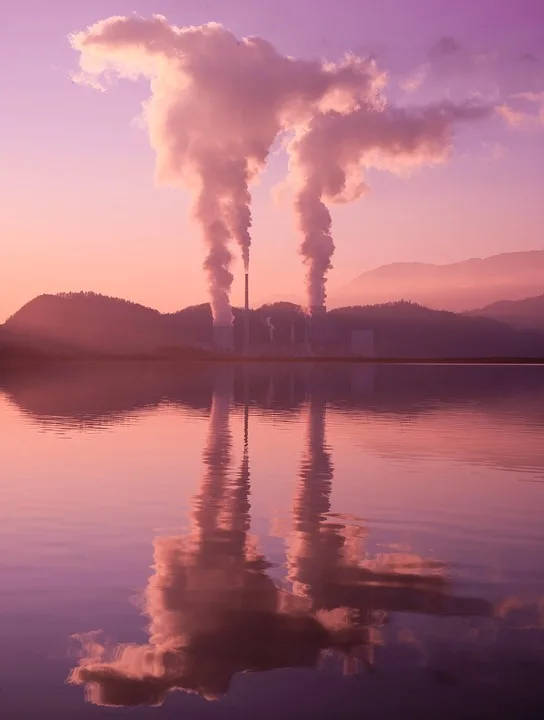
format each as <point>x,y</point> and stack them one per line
<point>458,287</point>
<point>527,313</point>
<point>407,330</point>
<point>89,321</point>
<point>86,324</point>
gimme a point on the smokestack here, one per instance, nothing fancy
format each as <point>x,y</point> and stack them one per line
<point>246,313</point>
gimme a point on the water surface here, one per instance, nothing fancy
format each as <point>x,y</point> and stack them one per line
<point>271,541</point>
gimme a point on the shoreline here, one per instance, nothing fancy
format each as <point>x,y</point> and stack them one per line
<point>38,362</point>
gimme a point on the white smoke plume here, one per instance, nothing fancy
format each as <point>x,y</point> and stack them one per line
<point>271,328</point>
<point>217,104</point>
<point>328,157</point>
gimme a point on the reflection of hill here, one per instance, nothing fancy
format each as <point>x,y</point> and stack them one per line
<point>84,392</point>
<point>91,392</point>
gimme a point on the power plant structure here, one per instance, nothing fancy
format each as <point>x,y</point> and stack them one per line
<point>223,338</point>
<point>311,332</point>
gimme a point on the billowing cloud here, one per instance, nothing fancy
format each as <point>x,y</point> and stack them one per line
<point>217,105</point>
<point>330,154</point>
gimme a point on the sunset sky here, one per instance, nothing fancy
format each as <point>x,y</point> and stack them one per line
<point>80,210</point>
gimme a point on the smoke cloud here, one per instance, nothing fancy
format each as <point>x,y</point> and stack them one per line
<point>329,155</point>
<point>271,328</point>
<point>217,104</point>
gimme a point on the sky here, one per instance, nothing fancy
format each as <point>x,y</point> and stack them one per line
<point>79,208</point>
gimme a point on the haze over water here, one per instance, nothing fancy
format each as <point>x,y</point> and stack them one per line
<point>360,537</point>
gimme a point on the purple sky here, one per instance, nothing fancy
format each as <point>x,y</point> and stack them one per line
<point>80,210</point>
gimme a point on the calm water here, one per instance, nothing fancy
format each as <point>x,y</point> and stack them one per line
<point>368,541</point>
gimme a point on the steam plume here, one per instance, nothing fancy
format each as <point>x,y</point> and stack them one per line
<point>217,104</point>
<point>329,155</point>
<point>271,328</point>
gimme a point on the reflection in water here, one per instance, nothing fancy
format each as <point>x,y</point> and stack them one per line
<point>435,404</point>
<point>213,609</point>
<point>329,568</point>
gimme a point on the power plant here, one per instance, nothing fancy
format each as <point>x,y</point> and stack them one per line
<point>286,330</point>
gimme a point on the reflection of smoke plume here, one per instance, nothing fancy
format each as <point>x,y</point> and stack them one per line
<point>330,570</point>
<point>217,105</point>
<point>329,155</point>
<point>213,610</point>
<point>216,460</point>
<point>316,542</point>
<point>193,581</point>
<point>271,328</point>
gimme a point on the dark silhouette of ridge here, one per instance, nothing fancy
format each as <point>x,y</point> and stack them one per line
<point>90,325</point>
<point>527,313</point>
<point>459,286</point>
<point>409,330</point>
<point>90,321</point>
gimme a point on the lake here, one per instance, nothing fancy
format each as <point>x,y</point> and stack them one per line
<point>271,541</point>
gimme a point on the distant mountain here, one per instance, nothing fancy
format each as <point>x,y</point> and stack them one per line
<point>87,324</point>
<point>527,313</point>
<point>459,287</point>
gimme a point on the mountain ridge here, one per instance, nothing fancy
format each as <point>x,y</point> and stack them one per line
<point>459,287</point>
<point>526,313</point>
<point>86,322</point>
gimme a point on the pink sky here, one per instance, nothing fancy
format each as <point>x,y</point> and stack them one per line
<point>80,209</point>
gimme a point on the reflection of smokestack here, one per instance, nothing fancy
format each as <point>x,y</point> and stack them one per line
<point>237,520</point>
<point>246,313</point>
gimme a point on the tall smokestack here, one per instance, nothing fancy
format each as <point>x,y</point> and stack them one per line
<point>246,313</point>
